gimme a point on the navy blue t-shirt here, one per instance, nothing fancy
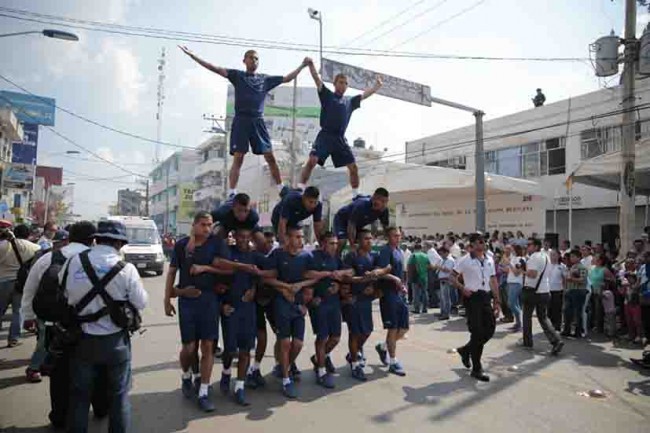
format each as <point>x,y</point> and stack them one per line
<point>251,90</point>
<point>203,254</point>
<point>293,210</point>
<point>242,281</point>
<point>226,218</point>
<point>361,264</point>
<point>336,110</point>
<point>361,213</point>
<point>394,258</point>
<point>291,269</point>
<point>321,261</point>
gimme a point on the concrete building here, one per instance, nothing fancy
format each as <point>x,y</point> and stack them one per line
<point>211,173</point>
<point>130,202</point>
<point>14,198</point>
<point>171,190</point>
<point>546,144</point>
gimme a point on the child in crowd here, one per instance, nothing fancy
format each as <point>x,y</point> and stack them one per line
<point>632,308</point>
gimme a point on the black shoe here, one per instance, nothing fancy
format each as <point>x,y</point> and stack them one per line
<point>557,348</point>
<point>464,357</point>
<point>640,362</point>
<point>479,375</point>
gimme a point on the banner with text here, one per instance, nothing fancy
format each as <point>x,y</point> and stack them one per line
<point>29,108</point>
<point>24,152</point>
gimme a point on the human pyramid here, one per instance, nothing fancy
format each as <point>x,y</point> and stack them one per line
<point>250,283</point>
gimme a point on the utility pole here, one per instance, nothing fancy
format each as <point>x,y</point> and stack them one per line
<point>161,101</point>
<point>167,165</point>
<point>146,199</point>
<point>479,160</point>
<point>627,180</point>
<point>292,146</point>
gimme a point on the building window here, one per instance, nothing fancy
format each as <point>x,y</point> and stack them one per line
<point>221,151</point>
<point>599,141</point>
<point>531,160</point>
<point>456,162</point>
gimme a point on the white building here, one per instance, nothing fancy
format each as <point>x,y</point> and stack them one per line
<point>171,192</point>
<point>14,202</point>
<point>545,144</point>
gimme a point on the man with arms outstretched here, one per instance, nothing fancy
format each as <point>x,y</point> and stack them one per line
<point>248,128</point>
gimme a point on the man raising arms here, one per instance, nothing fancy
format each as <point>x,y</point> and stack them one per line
<point>248,128</point>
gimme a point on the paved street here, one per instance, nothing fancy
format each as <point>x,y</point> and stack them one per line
<point>541,395</point>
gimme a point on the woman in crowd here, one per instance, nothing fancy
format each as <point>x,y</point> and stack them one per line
<point>515,282</point>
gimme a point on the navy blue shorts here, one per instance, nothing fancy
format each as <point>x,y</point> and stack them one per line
<point>264,314</point>
<point>340,228</point>
<point>333,145</point>
<point>326,319</point>
<point>394,313</point>
<point>289,321</point>
<point>358,317</point>
<point>239,329</point>
<point>249,131</point>
<point>198,317</point>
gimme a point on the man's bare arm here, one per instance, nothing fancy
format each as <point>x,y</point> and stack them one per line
<point>293,74</point>
<point>314,74</point>
<point>371,91</point>
<point>209,66</point>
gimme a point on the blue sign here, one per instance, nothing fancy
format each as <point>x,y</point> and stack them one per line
<point>24,152</point>
<point>29,108</point>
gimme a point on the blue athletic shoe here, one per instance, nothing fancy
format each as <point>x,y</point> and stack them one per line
<point>362,359</point>
<point>289,390</point>
<point>295,372</point>
<point>382,354</point>
<point>255,380</point>
<point>326,381</point>
<point>240,398</point>
<point>250,381</point>
<point>359,374</point>
<point>188,388</point>
<point>224,383</point>
<point>329,365</point>
<point>277,371</point>
<point>206,404</point>
<point>397,369</point>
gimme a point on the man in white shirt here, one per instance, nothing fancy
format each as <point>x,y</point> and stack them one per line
<point>536,297</point>
<point>445,268</point>
<point>103,344</point>
<point>46,241</point>
<point>80,239</point>
<point>478,274</point>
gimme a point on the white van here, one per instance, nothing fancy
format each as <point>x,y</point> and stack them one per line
<point>144,249</point>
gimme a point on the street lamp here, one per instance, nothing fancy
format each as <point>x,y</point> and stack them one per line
<point>318,16</point>
<point>50,33</point>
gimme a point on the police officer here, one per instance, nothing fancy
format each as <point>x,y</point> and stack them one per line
<point>478,274</point>
<point>103,344</point>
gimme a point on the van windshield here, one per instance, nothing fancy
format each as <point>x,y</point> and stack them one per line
<point>142,236</point>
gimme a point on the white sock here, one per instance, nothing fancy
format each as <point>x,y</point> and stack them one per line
<point>256,365</point>
<point>392,361</point>
<point>382,345</point>
<point>355,192</point>
<point>186,375</point>
<point>239,384</point>
<point>203,390</point>
<point>226,371</point>
<point>232,191</point>
<point>302,186</point>
<point>321,372</point>
<point>286,381</point>
<point>355,364</point>
<point>253,367</point>
<point>327,355</point>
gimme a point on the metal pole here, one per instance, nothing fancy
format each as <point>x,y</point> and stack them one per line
<point>146,198</point>
<point>20,33</point>
<point>166,229</point>
<point>292,145</point>
<point>627,193</point>
<point>320,26</point>
<point>479,159</point>
<point>570,192</point>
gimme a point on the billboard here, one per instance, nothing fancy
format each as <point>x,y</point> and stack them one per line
<point>24,152</point>
<point>52,175</point>
<point>393,87</point>
<point>186,207</point>
<point>278,110</point>
<point>18,176</point>
<point>29,108</point>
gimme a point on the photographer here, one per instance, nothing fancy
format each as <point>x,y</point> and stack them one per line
<point>15,251</point>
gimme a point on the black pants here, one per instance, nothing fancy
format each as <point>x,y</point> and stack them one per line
<point>645,319</point>
<point>60,380</point>
<point>481,324</point>
<point>539,303</point>
<point>555,309</point>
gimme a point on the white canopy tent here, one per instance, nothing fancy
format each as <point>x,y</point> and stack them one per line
<point>430,193</point>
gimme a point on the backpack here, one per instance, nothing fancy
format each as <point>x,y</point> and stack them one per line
<point>50,303</point>
<point>23,270</point>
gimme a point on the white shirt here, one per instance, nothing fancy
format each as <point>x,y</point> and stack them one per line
<point>537,262</point>
<point>36,274</point>
<point>448,263</point>
<point>45,243</point>
<point>556,276</point>
<point>434,257</point>
<point>407,255</point>
<point>126,285</point>
<point>512,278</point>
<point>9,263</point>
<point>455,251</point>
<point>476,274</point>
<point>586,262</point>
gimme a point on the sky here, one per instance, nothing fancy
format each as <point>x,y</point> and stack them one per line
<point>113,78</point>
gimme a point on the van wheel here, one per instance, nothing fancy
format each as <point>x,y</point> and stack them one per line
<point>159,273</point>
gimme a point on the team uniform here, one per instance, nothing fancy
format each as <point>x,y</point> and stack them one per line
<point>289,320</point>
<point>361,213</point>
<point>335,114</point>
<point>265,297</point>
<point>326,316</point>
<point>225,217</point>
<point>239,328</point>
<point>394,311</point>
<point>248,128</point>
<point>358,313</point>
<point>293,210</point>
<point>197,317</point>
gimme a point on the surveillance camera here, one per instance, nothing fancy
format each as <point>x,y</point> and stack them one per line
<point>312,13</point>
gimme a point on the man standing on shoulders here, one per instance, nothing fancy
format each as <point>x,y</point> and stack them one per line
<point>104,344</point>
<point>479,278</point>
<point>536,297</point>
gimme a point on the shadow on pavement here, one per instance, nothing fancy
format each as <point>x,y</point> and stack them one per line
<point>10,364</point>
